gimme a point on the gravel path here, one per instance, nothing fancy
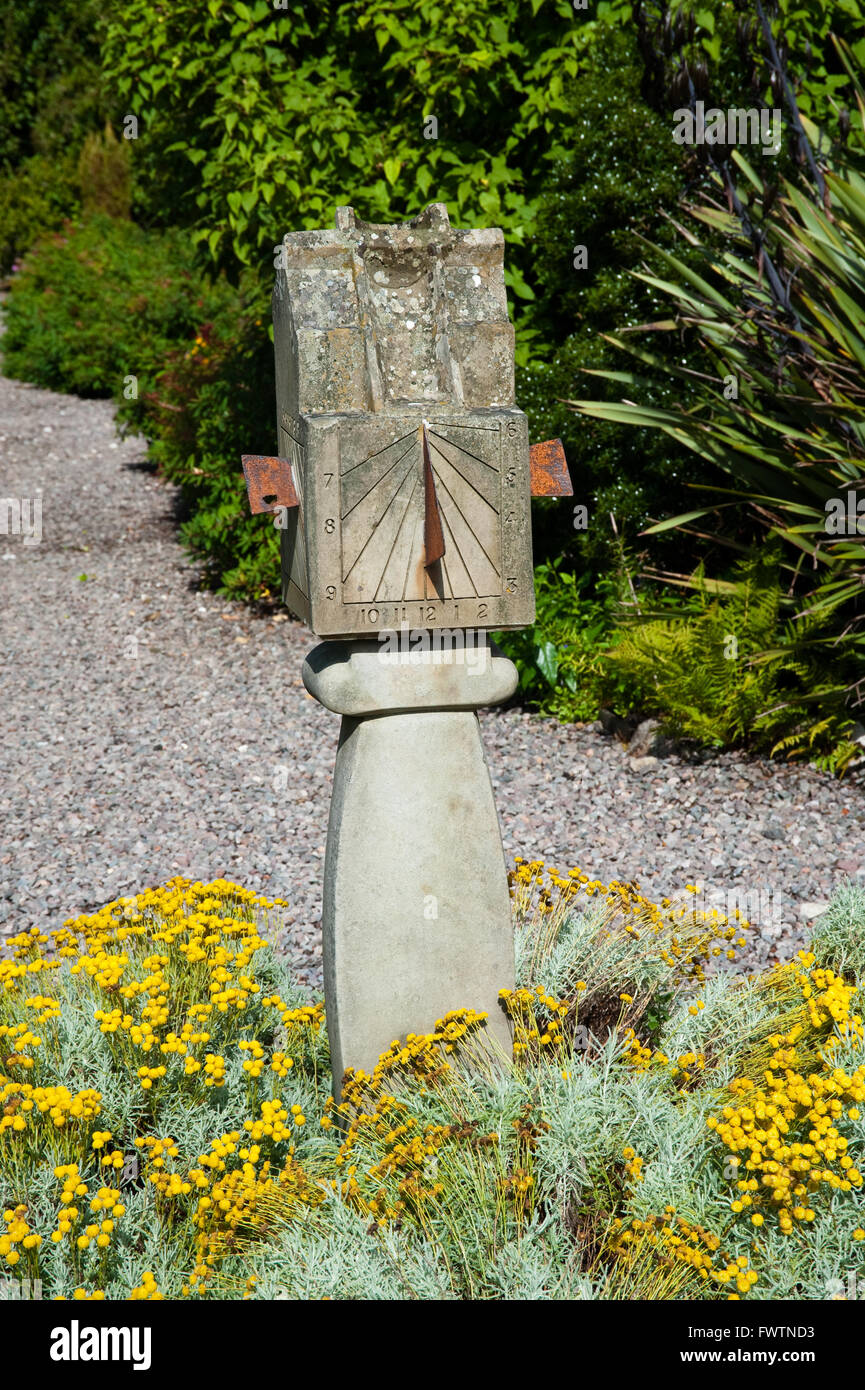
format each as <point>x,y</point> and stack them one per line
<point>151,729</point>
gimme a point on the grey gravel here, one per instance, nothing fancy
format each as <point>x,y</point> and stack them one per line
<point>152,729</point>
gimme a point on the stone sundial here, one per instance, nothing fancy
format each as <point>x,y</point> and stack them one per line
<point>403,491</point>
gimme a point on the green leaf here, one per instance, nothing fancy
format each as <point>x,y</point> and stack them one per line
<point>547,661</point>
<point>515,282</point>
<point>672,521</point>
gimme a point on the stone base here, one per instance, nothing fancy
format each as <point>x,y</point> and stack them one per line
<point>416,914</point>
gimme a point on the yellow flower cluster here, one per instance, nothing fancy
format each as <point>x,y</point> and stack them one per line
<point>205,939</point>
<point>671,1240</point>
<point>168,1184</point>
<point>790,1124</point>
<point>106,1205</point>
<point>274,1122</point>
<point>537,1019</point>
<point>395,1166</point>
<point>214,1070</point>
<point>638,1055</point>
<point>19,1099</point>
<point>281,1064</point>
<point>17,1232</point>
<point>300,1029</point>
<point>239,1206</point>
<point>683,1070</point>
<point>254,1065</point>
<point>828,999</point>
<point>633,1164</point>
<point>399,1151</point>
<point>419,1057</point>
<point>686,937</point>
<point>518,1184</point>
<point>146,1290</point>
<point>17,1036</point>
<point>687,1063</point>
<point>49,1009</point>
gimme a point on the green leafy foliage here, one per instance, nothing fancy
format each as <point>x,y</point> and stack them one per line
<point>104,174</point>
<point>103,300</point>
<point>560,658</point>
<point>254,120</point>
<point>38,197</point>
<point>49,78</point>
<point>779,407</point>
<point>731,666</point>
<point>593,201</point>
<point>50,100</point>
<point>215,400</point>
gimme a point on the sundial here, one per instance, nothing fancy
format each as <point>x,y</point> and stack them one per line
<point>402,490</point>
<point>404,461</point>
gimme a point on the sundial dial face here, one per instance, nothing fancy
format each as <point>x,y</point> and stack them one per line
<point>375,563</point>
<point>402,450</point>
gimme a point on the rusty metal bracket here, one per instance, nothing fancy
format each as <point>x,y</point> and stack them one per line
<point>549,470</point>
<point>269,482</point>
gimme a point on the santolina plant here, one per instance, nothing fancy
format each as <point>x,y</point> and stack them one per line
<point>666,1128</point>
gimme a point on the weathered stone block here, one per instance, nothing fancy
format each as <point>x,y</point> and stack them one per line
<point>395,382</point>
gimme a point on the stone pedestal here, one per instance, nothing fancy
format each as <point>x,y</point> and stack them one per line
<point>416,914</point>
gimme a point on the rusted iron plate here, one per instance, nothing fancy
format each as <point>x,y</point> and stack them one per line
<point>269,482</point>
<point>549,470</point>
<point>433,535</point>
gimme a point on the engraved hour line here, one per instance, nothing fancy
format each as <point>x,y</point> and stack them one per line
<point>454,541</point>
<point>468,482</point>
<point>375,596</point>
<point>476,536</point>
<point>465,451</point>
<point>447,583</point>
<point>460,554</point>
<point>375,527</point>
<point>380,480</point>
<point>412,552</point>
<point>374,485</point>
<point>409,434</point>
